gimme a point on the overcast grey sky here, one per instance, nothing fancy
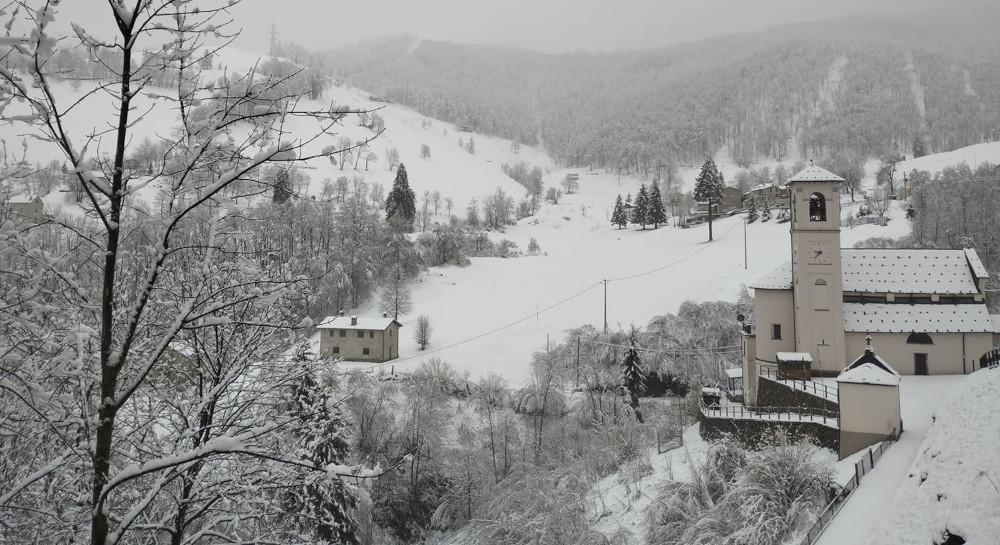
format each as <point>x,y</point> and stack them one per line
<point>549,25</point>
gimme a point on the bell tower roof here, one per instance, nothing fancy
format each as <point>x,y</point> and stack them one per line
<point>814,173</point>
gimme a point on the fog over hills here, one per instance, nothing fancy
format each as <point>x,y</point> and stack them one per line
<point>856,86</point>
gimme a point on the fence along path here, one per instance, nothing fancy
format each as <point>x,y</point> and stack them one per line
<point>861,468</point>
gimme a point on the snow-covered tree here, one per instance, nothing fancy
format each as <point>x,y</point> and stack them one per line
<point>395,299</point>
<point>425,151</point>
<point>656,214</point>
<point>752,211</point>
<point>401,204</point>
<point>765,214</point>
<point>422,334</point>
<point>618,215</point>
<point>133,343</point>
<point>708,188</point>
<point>533,247</point>
<point>633,376</point>
<point>640,212</point>
<point>392,157</point>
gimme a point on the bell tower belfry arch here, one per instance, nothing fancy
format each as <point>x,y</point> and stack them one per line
<point>817,282</point>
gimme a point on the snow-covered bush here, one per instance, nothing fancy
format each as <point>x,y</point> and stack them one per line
<point>740,497</point>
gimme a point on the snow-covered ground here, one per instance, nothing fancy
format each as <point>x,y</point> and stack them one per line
<point>954,482</point>
<point>920,397</point>
<point>973,156</point>
<point>491,315</point>
<point>618,506</point>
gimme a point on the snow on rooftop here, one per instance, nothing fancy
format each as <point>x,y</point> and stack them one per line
<point>976,264</point>
<point>780,278</point>
<point>944,272</point>
<point>868,373</point>
<point>734,372</point>
<point>929,318</point>
<point>793,356</point>
<point>344,322</point>
<point>814,173</point>
<point>995,319</point>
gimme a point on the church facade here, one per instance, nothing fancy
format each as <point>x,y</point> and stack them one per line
<point>924,310</point>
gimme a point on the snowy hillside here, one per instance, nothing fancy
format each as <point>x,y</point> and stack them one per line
<point>973,156</point>
<point>953,486</point>
<point>492,315</point>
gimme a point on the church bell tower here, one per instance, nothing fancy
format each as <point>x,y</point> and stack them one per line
<point>817,286</point>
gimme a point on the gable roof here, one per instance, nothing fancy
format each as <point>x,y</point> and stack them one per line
<point>904,318</point>
<point>344,322</point>
<point>780,278</point>
<point>869,369</point>
<point>976,264</point>
<point>944,272</point>
<point>814,173</point>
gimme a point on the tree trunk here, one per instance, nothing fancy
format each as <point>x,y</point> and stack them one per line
<point>710,220</point>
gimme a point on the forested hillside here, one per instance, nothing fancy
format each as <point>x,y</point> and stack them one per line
<point>854,87</point>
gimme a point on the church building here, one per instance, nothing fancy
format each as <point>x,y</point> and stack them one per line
<point>924,310</point>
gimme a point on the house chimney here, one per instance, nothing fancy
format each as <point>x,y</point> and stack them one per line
<point>385,314</point>
<point>354,320</point>
<point>340,312</point>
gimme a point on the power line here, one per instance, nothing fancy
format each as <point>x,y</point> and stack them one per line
<point>537,312</point>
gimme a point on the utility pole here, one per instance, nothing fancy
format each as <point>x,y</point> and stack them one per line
<point>274,40</point>
<point>605,307</point>
<point>745,262</point>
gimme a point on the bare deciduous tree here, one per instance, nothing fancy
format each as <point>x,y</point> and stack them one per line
<point>423,332</point>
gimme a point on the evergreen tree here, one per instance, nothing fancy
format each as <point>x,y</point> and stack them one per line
<point>919,147</point>
<point>708,189</point>
<point>633,376</point>
<point>618,216</point>
<point>765,213</point>
<point>401,205</point>
<point>282,186</point>
<point>752,211</point>
<point>640,214</point>
<point>324,503</point>
<point>657,214</point>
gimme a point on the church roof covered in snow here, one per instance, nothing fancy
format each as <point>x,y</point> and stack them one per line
<point>869,369</point>
<point>780,278</point>
<point>814,173</point>
<point>947,272</point>
<point>944,272</point>
<point>928,318</point>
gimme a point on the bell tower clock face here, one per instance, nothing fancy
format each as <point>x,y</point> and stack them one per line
<point>819,253</point>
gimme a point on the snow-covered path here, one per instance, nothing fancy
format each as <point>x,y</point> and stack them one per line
<point>919,397</point>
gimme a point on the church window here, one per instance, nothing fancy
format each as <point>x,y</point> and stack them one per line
<point>817,207</point>
<point>919,338</point>
<point>822,295</point>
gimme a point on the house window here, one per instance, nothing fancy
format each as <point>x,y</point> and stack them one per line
<point>336,350</point>
<point>817,207</point>
<point>371,334</point>
<point>343,332</point>
<point>365,351</point>
<point>361,334</point>
<point>919,338</point>
<point>776,332</point>
<point>920,364</point>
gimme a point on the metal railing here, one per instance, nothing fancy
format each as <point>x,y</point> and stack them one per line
<point>818,389</point>
<point>861,468</point>
<point>782,414</point>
